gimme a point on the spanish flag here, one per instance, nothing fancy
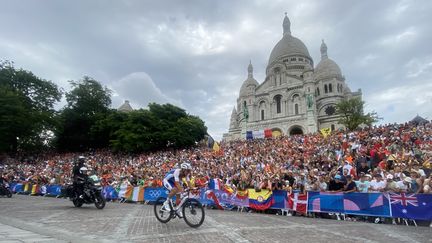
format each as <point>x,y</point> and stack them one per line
<point>261,200</point>
<point>325,132</point>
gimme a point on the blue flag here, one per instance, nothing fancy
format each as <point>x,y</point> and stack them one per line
<point>411,206</point>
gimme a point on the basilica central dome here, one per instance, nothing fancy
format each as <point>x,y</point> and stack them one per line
<point>288,45</point>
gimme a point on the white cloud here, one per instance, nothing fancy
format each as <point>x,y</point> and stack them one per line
<point>140,90</point>
<point>402,103</point>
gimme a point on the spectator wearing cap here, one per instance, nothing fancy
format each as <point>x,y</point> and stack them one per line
<point>363,184</point>
<point>336,185</point>
<point>404,185</point>
<point>377,184</point>
<point>391,184</point>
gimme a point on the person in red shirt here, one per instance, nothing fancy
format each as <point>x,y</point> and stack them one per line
<point>383,164</point>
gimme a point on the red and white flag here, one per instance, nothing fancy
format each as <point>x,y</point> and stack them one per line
<point>298,202</point>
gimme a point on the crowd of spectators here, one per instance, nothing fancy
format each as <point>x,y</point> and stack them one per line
<point>395,157</point>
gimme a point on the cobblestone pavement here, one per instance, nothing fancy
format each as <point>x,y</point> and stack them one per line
<point>39,219</point>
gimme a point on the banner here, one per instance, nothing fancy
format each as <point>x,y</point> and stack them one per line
<point>110,193</point>
<point>229,200</point>
<point>372,204</point>
<point>280,199</point>
<point>411,206</point>
<point>152,193</point>
<point>53,190</point>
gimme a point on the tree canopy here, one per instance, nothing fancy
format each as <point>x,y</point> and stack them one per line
<point>29,122</point>
<point>26,109</point>
<point>87,102</point>
<point>352,115</point>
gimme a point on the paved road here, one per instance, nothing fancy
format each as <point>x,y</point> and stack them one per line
<point>38,219</point>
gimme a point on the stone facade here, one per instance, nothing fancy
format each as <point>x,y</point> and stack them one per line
<point>295,97</point>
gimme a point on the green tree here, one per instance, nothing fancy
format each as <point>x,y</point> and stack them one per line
<point>87,103</point>
<point>352,115</point>
<point>156,128</point>
<point>26,109</point>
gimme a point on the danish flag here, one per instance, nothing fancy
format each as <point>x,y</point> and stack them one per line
<point>298,202</point>
<point>403,199</point>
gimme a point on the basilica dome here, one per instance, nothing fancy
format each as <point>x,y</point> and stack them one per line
<point>249,85</point>
<point>326,68</point>
<point>288,45</point>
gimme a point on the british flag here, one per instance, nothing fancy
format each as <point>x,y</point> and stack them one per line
<point>403,199</point>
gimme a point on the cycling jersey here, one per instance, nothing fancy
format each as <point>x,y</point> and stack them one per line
<point>172,177</point>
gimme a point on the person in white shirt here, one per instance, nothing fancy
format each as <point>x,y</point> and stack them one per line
<point>403,186</point>
<point>363,184</point>
<point>377,184</point>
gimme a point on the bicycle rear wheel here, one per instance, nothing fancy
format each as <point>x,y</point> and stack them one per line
<point>161,214</point>
<point>193,213</point>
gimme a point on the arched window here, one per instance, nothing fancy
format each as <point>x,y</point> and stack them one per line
<point>318,92</point>
<point>277,100</point>
<point>325,89</point>
<point>262,115</point>
<point>296,109</point>
<point>244,104</point>
<point>330,88</point>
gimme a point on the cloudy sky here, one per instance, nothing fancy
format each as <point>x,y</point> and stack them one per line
<point>194,54</point>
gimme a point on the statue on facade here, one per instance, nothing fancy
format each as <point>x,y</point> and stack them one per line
<point>309,101</point>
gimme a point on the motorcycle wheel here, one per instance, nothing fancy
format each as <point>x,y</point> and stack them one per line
<point>77,203</point>
<point>99,201</point>
<point>9,194</point>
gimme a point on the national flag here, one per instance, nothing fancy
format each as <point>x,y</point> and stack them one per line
<point>411,206</point>
<point>325,132</point>
<point>261,200</point>
<point>242,194</point>
<point>35,190</point>
<point>228,189</point>
<point>215,184</point>
<point>137,194</point>
<point>298,202</point>
<point>210,141</point>
<point>216,147</point>
<point>268,133</point>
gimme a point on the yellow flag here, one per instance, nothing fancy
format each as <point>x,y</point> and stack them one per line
<point>325,132</point>
<point>216,147</point>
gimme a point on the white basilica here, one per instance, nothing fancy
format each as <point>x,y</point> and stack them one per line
<point>295,97</point>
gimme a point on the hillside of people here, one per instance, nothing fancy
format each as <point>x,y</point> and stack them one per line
<point>395,158</point>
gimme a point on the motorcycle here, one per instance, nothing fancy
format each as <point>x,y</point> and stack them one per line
<point>92,193</point>
<point>5,190</point>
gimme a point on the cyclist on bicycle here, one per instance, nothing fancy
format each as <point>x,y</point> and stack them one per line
<point>172,182</point>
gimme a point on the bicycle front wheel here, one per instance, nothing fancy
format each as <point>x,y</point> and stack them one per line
<point>193,213</point>
<point>162,214</point>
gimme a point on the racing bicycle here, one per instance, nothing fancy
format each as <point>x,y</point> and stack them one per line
<point>192,210</point>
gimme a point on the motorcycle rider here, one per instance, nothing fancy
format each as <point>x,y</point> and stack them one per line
<point>79,173</point>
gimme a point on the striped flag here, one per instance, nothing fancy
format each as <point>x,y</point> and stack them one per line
<point>137,194</point>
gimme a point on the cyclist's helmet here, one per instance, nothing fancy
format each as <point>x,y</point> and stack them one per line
<point>186,166</point>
